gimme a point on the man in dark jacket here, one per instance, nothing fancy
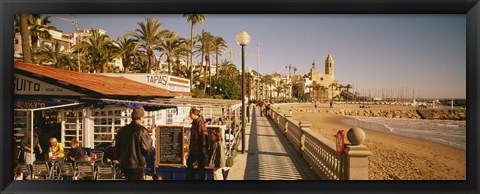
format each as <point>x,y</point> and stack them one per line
<point>133,145</point>
<point>198,145</point>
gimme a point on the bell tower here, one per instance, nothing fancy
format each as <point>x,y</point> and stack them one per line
<point>329,65</point>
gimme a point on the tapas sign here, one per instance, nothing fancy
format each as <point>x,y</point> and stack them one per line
<point>340,142</point>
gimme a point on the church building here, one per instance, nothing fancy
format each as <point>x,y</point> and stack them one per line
<point>322,85</point>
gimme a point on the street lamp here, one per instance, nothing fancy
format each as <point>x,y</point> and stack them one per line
<point>243,38</point>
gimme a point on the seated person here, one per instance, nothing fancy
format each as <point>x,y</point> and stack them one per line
<point>56,149</point>
<point>110,156</point>
<point>76,153</point>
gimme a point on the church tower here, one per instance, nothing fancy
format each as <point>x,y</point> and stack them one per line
<point>313,72</point>
<point>329,65</point>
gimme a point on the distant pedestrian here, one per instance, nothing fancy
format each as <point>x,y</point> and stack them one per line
<point>331,104</point>
<point>315,105</point>
<point>198,145</point>
<point>217,154</point>
<point>263,104</point>
<point>133,145</point>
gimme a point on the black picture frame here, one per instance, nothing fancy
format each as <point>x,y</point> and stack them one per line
<point>471,8</point>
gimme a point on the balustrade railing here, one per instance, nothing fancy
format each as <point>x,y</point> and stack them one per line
<point>321,153</point>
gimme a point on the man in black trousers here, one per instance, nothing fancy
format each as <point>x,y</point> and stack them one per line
<point>133,145</point>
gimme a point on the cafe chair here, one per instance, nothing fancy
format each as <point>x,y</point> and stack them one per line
<point>27,174</point>
<point>105,172</point>
<point>84,171</point>
<point>99,159</point>
<point>40,171</point>
<point>66,171</point>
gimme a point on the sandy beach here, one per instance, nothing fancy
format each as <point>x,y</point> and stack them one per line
<point>393,157</point>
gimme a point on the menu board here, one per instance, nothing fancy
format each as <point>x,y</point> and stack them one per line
<point>170,145</point>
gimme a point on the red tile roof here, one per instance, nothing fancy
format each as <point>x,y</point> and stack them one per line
<point>109,86</point>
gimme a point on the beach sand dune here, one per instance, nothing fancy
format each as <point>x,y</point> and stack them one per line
<point>393,157</point>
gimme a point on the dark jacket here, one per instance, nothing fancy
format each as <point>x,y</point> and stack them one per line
<point>133,145</point>
<point>198,136</point>
<point>78,153</point>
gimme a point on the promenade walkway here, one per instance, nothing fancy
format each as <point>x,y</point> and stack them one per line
<point>268,155</point>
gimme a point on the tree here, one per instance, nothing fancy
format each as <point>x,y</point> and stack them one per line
<point>139,65</point>
<point>333,85</point>
<point>348,86</point>
<point>171,45</point>
<point>297,90</point>
<point>25,33</point>
<point>230,90</point>
<point>228,69</point>
<point>39,29</point>
<point>99,50</point>
<point>193,19</point>
<point>315,87</point>
<point>279,89</point>
<point>148,37</point>
<point>206,49</point>
<point>219,46</point>
<point>53,56</point>
<point>127,49</point>
<point>268,81</point>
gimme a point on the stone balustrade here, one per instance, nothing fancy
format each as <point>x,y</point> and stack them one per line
<point>321,153</point>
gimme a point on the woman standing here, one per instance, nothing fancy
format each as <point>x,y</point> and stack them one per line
<point>217,154</point>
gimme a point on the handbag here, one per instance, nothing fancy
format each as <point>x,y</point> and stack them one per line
<point>212,158</point>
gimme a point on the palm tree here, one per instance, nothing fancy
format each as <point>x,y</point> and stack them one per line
<point>279,89</point>
<point>127,49</point>
<point>333,85</point>
<point>99,50</point>
<point>206,49</point>
<point>39,29</point>
<point>181,53</point>
<point>148,37</point>
<point>139,65</point>
<point>25,33</point>
<point>348,86</point>
<point>268,81</point>
<point>286,88</point>
<point>219,46</point>
<point>315,87</point>
<point>171,47</point>
<point>193,19</point>
<point>53,56</point>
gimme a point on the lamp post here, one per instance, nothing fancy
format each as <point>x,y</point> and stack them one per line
<point>243,38</point>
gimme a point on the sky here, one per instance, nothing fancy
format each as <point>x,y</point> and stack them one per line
<point>424,54</point>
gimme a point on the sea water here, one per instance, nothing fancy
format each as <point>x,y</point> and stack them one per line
<point>448,132</point>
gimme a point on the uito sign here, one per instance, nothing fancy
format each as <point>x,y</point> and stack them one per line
<point>340,142</point>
